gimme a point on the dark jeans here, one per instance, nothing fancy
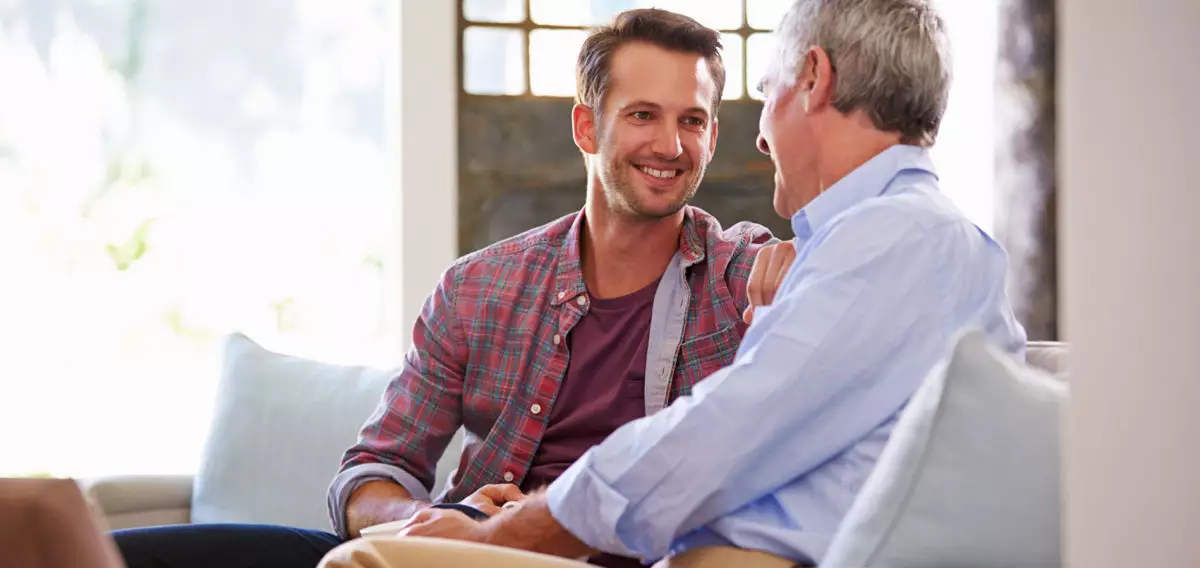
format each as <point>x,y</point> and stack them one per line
<point>223,546</point>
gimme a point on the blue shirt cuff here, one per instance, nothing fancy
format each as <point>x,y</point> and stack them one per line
<point>588,507</point>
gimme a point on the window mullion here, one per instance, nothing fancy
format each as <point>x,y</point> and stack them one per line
<point>528,25</point>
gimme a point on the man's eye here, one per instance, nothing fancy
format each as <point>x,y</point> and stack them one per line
<point>694,121</point>
<point>641,115</point>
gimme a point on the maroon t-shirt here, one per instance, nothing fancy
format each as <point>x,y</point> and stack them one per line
<point>604,388</point>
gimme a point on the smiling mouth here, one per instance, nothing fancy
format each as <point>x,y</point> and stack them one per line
<point>660,174</point>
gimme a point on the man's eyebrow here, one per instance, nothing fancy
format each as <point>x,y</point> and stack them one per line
<point>642,103</point>
<point>656,106</point>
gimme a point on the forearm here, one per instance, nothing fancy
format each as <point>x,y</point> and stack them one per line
<point>530,526</point>
<point>387,475</point>
<point>378,502</point>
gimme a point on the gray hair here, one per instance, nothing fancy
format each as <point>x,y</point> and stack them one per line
<point>891,59</point>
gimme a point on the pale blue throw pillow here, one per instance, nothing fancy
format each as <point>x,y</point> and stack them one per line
<point>280,427</point>
<point>970,476</point>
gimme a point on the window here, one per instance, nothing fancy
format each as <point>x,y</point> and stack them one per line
<point>171,172</point>
<point>529,47</point>
<point>965,151</point>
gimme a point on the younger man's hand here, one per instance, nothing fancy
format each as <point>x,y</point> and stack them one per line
<point>490,498</point>
<point>770,266</point>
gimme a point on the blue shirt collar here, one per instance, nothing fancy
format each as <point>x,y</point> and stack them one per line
<point>868,180</point>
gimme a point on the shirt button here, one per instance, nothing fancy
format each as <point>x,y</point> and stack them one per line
<point>508,477</point>
<point>561,294</point>
<point>536,408</point>
<point>557,339</point>
<point>582,300</point>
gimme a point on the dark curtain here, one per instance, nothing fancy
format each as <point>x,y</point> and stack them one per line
<point>1026,176</point>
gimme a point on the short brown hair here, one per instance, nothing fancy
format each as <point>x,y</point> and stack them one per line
<point>668,30</point>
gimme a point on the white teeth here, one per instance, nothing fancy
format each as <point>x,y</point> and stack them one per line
<point>662,174</point>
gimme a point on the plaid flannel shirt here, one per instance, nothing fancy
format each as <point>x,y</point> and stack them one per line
<point>489,353</point>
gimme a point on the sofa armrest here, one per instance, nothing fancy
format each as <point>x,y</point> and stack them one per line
<point>141,500</point>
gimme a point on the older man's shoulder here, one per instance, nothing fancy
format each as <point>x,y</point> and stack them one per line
<point>917,208</point>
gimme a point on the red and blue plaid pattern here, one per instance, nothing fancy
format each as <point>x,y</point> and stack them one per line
<point>490,344</point>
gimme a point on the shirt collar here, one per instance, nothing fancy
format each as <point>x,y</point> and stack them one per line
<point>871,179</point>
<point>569,282</point>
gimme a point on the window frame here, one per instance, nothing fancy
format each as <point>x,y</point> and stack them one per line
<point>527,25</point>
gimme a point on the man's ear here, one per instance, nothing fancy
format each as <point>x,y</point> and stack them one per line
<point>583,128</point>
<point>816,79</point>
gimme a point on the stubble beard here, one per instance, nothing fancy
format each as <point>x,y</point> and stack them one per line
<point>616,175</point>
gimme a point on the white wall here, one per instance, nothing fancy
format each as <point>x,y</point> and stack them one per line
<point>1131,273</point>
<point>427,95</point>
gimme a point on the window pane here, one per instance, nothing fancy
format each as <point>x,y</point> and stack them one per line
<point>494,10</point>
<point>574,12</point>
<point>159,189</point>
<point>766,14</point>
<point>717,14</point>
<point>760,48</point>
<point>720,14</point>
<point>493,61</point>
<point>731,54</point>
<point>966,144</point>
<point>552,56</point>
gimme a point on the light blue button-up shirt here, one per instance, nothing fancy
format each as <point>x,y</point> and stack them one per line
<point>769,452</point>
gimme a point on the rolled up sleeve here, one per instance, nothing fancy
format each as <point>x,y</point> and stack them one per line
<point>418,414</point>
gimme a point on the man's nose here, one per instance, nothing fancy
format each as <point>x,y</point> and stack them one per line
<point>762,145</point>
<point>667,144</point>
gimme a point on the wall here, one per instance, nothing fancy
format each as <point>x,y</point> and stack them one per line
<point>426,137</point>
<point>519,168</point>
<point>1131,277</point>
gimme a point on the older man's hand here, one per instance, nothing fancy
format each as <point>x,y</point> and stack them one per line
<point>451,524</point>
<point>770,266</point>
<point>444,523</point>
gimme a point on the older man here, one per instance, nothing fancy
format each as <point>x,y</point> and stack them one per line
<point>761,462</point>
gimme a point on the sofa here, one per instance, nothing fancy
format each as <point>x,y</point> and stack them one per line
<point>280,426</point>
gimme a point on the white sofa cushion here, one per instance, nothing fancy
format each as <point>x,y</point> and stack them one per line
<point>970,476</point>
<point>280,426</point>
